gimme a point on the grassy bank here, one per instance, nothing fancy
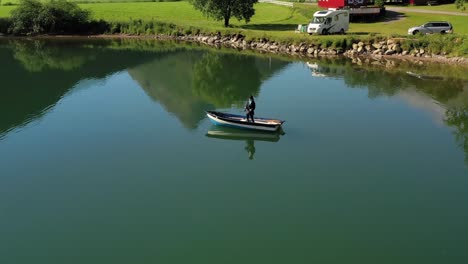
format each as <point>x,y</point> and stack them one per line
<point>273,19</point>
<point>271,22</point>
<point>268,17</point>
<point>16,2</point>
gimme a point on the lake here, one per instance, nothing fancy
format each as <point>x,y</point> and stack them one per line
<point>106,156</point>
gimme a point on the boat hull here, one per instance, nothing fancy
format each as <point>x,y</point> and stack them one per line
<point>262,124</point>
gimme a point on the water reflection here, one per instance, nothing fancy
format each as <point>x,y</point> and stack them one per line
<point>100,168</point>
<point>168,81</point>
<point>457,117</point>
<point>37,56</point>
<point>249,136</point>
<point>39,73</point>
<point>324,70</point>
<point>437,88</point>
<point>226,79</point>
<point>187,80</point>
<point>187,83</point>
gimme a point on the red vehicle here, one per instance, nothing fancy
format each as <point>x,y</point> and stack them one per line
<point>358,9</point>
<point>343,3</point>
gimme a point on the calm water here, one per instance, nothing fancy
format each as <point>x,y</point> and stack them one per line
<point>106,156</point>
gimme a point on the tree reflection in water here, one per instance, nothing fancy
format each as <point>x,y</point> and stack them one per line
<point>442,83</point>
<point>40,73</point>
<point>187,82</point>
<point>458,119</point>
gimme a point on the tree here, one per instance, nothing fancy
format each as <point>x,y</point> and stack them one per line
<point>57,16</point>
<point>379,3</point>
<point>225,9</point>
<point>460,4</point>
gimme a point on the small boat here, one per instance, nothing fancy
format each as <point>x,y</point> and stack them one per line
<point>238,121</point>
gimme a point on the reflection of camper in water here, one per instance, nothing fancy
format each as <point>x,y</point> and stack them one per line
<point>315,69</point>
<point>324,70</point>
<point>250,147</point>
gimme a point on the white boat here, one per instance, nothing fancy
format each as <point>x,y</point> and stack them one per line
<point>238,121</point>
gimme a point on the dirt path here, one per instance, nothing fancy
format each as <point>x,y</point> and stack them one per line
<point>413,10</point>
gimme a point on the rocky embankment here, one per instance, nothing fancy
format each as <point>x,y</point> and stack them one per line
<point>377,50</point>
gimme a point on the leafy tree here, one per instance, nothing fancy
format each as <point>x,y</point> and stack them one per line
<point>379,3</point>
<point>225,9</point>
<point>460,4</point>
<point>24,17</point>
<point>33,17</point>
<point>4,25</point>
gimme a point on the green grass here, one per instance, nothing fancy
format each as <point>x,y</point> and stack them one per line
<point>16,2</point>
<point>5,10</point>
<point>269,20</point>
<point>400,27</point>
<point>446,7</point>
<point>278,22</point>
<point>183,13</point>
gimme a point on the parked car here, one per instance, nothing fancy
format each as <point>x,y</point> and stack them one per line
<point>432,27</point>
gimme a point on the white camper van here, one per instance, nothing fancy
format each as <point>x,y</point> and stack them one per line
<point>329,21</point>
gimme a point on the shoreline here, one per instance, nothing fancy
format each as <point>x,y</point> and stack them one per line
<point>386,49</point>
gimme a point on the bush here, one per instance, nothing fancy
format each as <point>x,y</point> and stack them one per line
<point>32,17</point>
<point>379,3</point>
<point>325,43</point>
<point>438,44</point>
<point>141,27</point>
<point>5,24</point>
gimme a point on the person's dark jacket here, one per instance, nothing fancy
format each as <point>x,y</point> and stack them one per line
<point>250,106</point>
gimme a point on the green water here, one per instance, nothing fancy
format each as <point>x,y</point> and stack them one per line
<point>106,156</point>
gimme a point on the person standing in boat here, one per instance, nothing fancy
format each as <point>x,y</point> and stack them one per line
<point>250,108</point>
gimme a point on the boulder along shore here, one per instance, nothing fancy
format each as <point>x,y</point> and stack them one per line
<point>389,48</point>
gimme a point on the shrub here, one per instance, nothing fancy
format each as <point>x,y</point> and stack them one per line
<point>406,45</point>
<point>326,43</point>
<point>188,31</point>
<point>115,28</point>
<point>379,3</point>
<point>5,23</point>
<point>97,27</point>
<point>55,17</point>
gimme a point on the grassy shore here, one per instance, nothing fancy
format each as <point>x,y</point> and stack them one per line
<point>16,2</point>
<point>270,21</point>
<point>278,21</point>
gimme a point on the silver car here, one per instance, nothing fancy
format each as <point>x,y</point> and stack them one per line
<point>432,27</point>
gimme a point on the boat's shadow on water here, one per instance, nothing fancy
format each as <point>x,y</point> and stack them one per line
<point>249,136</point>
